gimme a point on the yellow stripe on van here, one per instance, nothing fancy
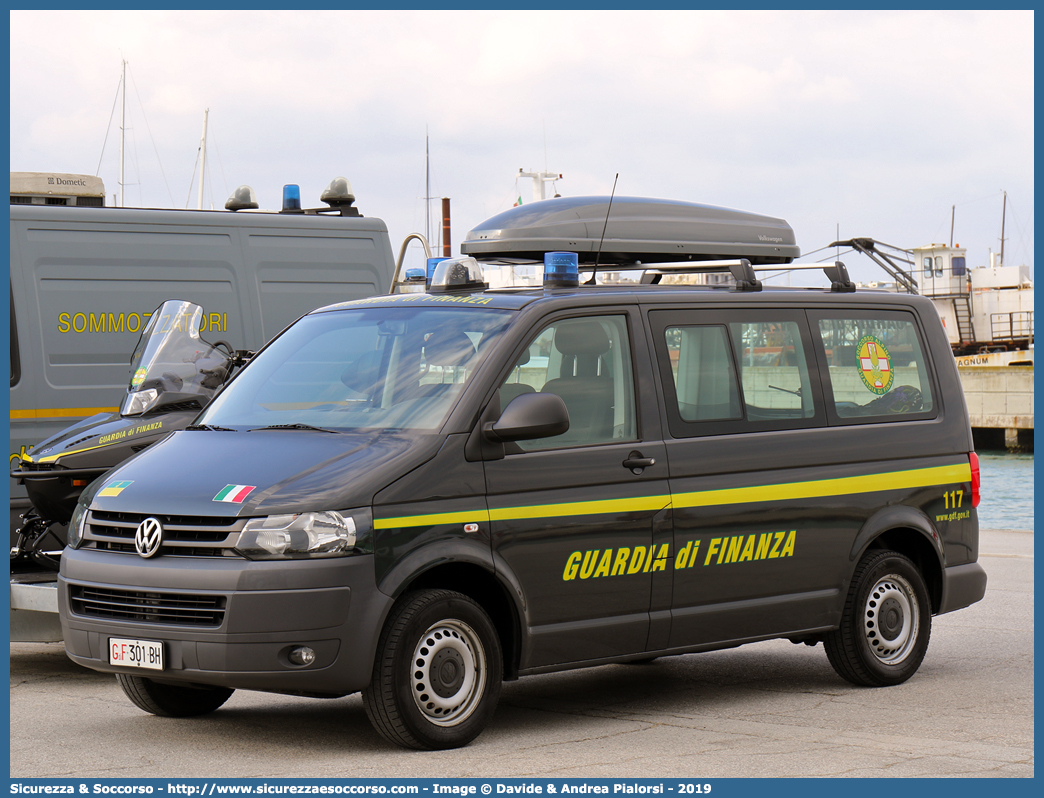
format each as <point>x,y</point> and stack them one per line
<point>59,412</point>
<point>630,505</point>
<point>815,489</point>
<point>821,488</point>
<point>433,519</point>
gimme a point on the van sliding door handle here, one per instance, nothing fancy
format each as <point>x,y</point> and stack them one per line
<point>637,463</point>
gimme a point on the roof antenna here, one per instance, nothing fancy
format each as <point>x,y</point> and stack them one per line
<point>594,274</point>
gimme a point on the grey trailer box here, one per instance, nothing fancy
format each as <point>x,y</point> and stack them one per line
<point>638,230</point>
<point>84,280</point>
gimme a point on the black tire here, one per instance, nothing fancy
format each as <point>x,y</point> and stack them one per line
<point>886,623</point>
<point>440,635</point>
<point>170,700</point>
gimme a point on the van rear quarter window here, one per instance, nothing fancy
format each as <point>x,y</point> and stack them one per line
<point>875,366</point>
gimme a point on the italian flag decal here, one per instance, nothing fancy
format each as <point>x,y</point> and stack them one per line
<point>234,494</point>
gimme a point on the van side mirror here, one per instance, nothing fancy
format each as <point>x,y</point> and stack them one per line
<point>529,416</point>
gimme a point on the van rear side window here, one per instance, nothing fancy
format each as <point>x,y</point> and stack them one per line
<point>704,374</point>
<point>737,371</point>
<point>875,366</point>
<point>774,374</point>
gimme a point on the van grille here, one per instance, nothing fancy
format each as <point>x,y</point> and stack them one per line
<point>182,609</point>
<point>184,535</point>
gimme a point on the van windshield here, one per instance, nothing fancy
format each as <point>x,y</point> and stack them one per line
<point>367,368</point>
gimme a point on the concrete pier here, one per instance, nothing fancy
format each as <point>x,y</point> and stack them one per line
<point>1000,405</point>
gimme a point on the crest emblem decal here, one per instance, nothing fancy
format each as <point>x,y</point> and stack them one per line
<point>875,364</point>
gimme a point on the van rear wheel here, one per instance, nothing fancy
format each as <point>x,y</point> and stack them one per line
<point>885,625</point>
<point>437,675</point>
<point>172,700</point>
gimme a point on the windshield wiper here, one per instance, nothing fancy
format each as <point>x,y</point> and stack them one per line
<point>295,426</point>
<point>209,427</point>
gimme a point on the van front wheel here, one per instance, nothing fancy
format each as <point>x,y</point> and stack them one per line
<point>171,700</point>
<point>437,675</point>
<point>886,622</point>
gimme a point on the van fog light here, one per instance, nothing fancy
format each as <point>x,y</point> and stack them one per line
<point>298,536</point>
<point>302,655</point>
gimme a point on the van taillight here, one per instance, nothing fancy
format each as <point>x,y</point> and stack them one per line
<point>975,478</point>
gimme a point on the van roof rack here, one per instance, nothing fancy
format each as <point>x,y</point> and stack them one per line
<point>745,273</point>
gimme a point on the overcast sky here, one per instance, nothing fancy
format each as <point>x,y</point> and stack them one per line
<point>873,123</point>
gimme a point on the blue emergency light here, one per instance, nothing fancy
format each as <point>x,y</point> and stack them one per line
<point>561,270</point>
<point>415,275</point>
<point>457,274</point>
<point>291,197</point>
<point>432,263</point>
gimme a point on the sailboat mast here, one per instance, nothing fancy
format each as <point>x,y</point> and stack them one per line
<point>202,159</point>
<point>427,190</point>
<point>123,127</point>
<point>1004,212</point>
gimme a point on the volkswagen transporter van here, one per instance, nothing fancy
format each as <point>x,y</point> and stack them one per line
<point>419,496</point>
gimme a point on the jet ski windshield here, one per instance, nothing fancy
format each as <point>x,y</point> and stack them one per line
<point>171,363</point>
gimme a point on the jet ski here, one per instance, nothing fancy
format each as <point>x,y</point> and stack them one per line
<point>174,373</point>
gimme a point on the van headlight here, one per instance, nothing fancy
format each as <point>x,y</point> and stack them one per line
<point>303,536</point>
<point>74,536</point>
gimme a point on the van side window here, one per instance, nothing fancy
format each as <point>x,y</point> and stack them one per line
<point>725,372</point>
<point>587,362</point>
<point>875,366</point>
<point>773,371</point>
<point>704,374</point>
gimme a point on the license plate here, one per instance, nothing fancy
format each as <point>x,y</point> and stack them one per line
<point>136,653</point>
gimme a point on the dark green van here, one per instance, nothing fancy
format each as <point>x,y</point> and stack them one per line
<point>419,496</point>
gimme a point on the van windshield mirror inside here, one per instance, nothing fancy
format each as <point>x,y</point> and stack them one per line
<point>399,368</point>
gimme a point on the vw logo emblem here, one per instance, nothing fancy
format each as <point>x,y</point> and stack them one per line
<point>149,537</point>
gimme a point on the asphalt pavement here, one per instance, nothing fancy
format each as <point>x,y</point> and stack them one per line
<point>764,710</point>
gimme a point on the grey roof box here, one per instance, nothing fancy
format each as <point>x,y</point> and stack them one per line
<point>639,229</point>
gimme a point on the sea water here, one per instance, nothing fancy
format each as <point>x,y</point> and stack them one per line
<point>1006,490</point>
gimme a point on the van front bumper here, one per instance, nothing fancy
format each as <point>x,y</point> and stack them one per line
<point>227,621</point>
